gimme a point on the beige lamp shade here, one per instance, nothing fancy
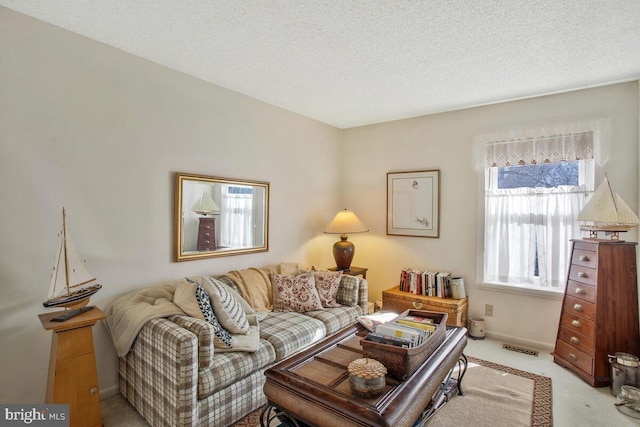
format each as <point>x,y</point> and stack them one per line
<point>345,222</point>
<point>205,206</point>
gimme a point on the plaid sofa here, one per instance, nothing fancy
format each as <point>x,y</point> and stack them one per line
<point>173,376</point>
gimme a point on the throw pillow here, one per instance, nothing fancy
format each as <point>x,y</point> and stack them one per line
<point>348,291</point>
<point>227,308</point>
<point>295,293</point>
<point>184,297</point>
<point>204,302</point>
<point>327,284</point>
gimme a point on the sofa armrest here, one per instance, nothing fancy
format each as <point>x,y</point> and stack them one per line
<point>159,375</point>
<point>204,331</point>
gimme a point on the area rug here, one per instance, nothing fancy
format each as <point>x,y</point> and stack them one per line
<point>495,396</point>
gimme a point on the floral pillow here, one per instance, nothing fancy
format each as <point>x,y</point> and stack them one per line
<point>327,284</point>
<point>295,293</point>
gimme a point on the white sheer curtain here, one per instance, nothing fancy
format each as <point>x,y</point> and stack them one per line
<point>236,216</point>
<point>522,225</point>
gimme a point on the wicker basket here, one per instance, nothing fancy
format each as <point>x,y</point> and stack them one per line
<point>401,362</point>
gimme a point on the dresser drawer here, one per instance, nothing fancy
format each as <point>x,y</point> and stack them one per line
<point>582,274</point>
<point>574,356</point>
<point>577,307</point>
<point>584,258</point>
<point>578,324</point>
<point>576,340</point>
<point>581,290</point>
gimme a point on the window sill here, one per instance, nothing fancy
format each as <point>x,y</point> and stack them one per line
<point>536,292</point>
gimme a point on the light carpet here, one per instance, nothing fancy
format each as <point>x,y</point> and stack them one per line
<point>495,396</point>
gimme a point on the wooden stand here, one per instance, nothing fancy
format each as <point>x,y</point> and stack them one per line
<point>73,378</point>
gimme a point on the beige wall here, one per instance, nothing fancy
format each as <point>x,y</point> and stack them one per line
<point>101,132</point>
<point>443,141</point>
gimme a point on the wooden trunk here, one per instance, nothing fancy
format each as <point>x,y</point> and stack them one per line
<point>398,301</point>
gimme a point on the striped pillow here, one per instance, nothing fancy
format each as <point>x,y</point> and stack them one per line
<point>227,308</point>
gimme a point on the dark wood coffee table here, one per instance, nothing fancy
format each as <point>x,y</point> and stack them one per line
<point>312,388</point>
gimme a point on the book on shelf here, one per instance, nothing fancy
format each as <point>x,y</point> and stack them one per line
<point>425,282</point>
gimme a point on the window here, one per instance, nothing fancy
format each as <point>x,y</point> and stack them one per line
<point>534,188</point>
<point>237,216</point>
<point>530,216</point>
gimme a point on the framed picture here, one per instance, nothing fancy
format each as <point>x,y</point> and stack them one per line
<point>413,203</point>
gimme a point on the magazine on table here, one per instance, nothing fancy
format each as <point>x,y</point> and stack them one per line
<point>370,321</point>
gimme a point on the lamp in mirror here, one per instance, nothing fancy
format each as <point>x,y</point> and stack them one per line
<point>344,223</point>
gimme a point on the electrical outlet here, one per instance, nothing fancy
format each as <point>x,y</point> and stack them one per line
<point>488,310</point>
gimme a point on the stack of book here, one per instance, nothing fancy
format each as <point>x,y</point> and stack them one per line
<point>425,282</point>
<point>406,332</point>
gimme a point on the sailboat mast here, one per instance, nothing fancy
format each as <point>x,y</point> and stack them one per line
<point>64,241</point>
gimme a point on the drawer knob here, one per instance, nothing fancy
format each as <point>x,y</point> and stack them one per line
<point>578,307</point>
<point>580,291</point>
<point>417,304</point>
<point>573,356</point>
<point>207,227</point>
<point>576,323</point>
<point>575,340</point>
<point>584,258</point>
<point>93,390</point>
<point>207,234</point>
<point>206,241</point>
<point>582,274</point>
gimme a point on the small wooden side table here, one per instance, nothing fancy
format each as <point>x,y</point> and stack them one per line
<point>353,271</point>
<point>73,378</point>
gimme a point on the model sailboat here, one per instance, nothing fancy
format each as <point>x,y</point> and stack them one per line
<point>608,212</point>
<point>71,284</point>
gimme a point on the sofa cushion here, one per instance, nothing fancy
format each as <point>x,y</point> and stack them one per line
<point>348,290</point>
<point>227,308</point>
<point>327,284</point>
<point>295,293</point>
<point>336,318</point>
<point>229,368</point>
<point>290,332</point>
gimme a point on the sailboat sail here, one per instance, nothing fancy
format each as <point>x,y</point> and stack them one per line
<point>607,208</point>
<point>68,273</point>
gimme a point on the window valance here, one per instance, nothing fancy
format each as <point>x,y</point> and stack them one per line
<point>588,139</point>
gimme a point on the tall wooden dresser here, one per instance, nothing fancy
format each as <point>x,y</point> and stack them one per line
<point>599,310</point>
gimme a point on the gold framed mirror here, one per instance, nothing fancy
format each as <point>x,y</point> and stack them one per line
<point>219,216</point>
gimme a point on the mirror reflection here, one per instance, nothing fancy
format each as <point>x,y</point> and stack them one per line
<point>220,216</point>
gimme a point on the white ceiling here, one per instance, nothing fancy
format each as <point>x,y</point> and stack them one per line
<point>356,62</point>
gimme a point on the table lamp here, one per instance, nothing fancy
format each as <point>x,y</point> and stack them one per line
<point>345,222</point>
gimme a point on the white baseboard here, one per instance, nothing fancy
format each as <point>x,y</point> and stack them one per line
<point>109,392</point>
<point>539,345</point>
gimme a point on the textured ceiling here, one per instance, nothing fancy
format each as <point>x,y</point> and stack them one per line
<point>356,62</point>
